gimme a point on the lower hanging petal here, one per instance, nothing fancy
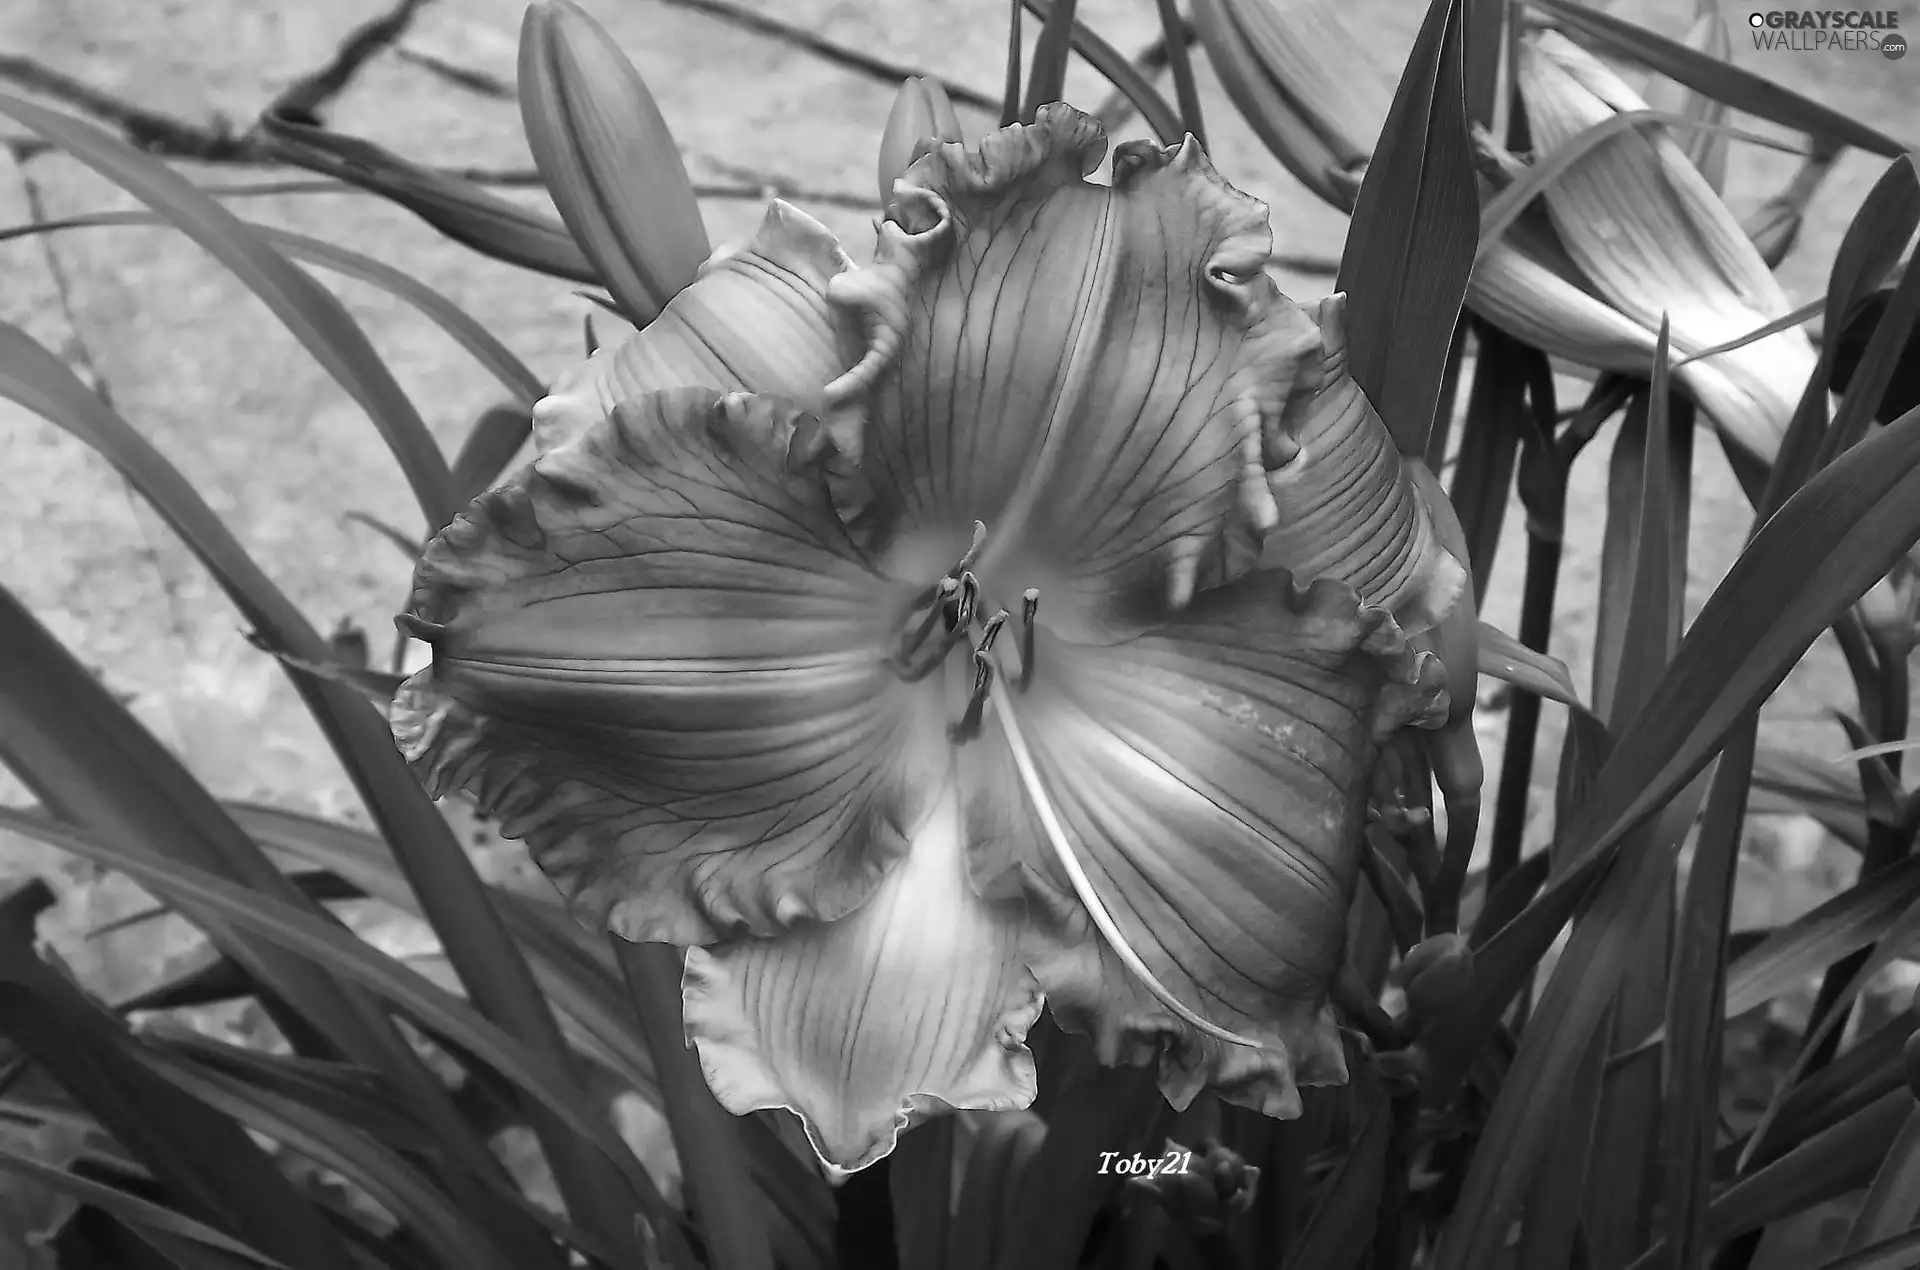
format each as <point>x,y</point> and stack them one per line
<point>915,1003</point>
<point>1210,780</point>
<point>658,658</point>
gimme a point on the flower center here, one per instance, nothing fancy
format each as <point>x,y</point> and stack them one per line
<point>949,614</point>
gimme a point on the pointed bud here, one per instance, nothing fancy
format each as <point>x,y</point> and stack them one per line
<point>922,115</point>
<point>1438,974</point>
<point>1200,1190</point>
<point>608,159</point>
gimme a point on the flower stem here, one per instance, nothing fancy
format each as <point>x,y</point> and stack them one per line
<point>719,1191</point>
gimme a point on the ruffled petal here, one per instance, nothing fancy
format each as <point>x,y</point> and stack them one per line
<point>1347,506</point>
<point>1211,780</point>
<point>655,657</point>
<point>755,320</point>
<point>915,1003</point>
<point>1086,369</point>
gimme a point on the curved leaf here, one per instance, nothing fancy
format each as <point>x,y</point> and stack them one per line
<point>306,308</point>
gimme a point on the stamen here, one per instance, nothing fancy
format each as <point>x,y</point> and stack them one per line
<point>935,591</point>
<point>1083,886</point>
<point>992,630</point>
<point>969,725</point>
<point>1029,605</point>
<point>948,588</point>
<point>959,611</point>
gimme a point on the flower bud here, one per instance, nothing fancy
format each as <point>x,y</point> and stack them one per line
<point>608,159</point>
<point>1199,1190</point>
<point>922,115</point>
<point>1438,974</point>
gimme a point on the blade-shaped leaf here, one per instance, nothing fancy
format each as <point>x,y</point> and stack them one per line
<point>1121,73</point>
<point>1047,76</point>
<point>459,209</point>
<point>1832,540</point>
<point>437,868</point>
<point>1695,1005</point>
<point>1505,658</point>
<point>496,436</point>
<point>444,313</point>
<point>1341,1228</point>
<point>303,306</point>
<point>205,1160</point>
<point>133,1210</point>
<point>1893,1201</point>
<point>1410,247</point>
<point>404,989</point>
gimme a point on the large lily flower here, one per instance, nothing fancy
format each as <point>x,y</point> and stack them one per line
<point>1012,621</point>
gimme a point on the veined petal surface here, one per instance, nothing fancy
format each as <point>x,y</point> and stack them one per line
<point>916,1002</point>
<point>656,656</point>
<point>755,320</point>
<point>1084,368</point>
<point>1347,507</point>
<point>1211,778</point>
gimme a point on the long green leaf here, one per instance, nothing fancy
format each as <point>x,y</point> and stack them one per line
<point>208,1164</point>
<point>1829,1164</point>
<point>303,306</point>
<point>451,893</point>
<point>1121,73</point>
<point>131,1209</point>
<point>1704,73</point>
<point>327,944</point>
<point>459,209</point>
<point>1410,247</point>
<point>1893,1201</point>
<point>437,308</point>
<point>1645,602</point>
<point>1820,552</point>
<point>1696,1003</point>
<point>1342,1226</point>
<point>427,1214</point>
<point>1506,658</point>
<point>1901,1252</point>
<point>1047,75</point>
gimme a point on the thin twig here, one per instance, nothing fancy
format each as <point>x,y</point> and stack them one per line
<point>216,141</point>
<point>889,73</point>
<point>470,78</point>
<point>304,99</point>
<point>156,133</point>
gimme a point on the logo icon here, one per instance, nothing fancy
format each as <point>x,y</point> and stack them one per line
<point>1756,19</point>
<point>1894,47</point>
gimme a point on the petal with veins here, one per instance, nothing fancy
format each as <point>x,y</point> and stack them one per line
<point>755,320</point>
<point>657,656</point>
<point>1085,368</point>
<point>916,1002</point>
<point>1348,507</point>
<point>1210,777</point>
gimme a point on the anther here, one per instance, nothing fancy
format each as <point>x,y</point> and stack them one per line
<point>959,611</point>
<point>1029,605</point>
<point>969,725</point>
<point>947,589</point>
<point>991,631</point>
<point>938,591</point>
